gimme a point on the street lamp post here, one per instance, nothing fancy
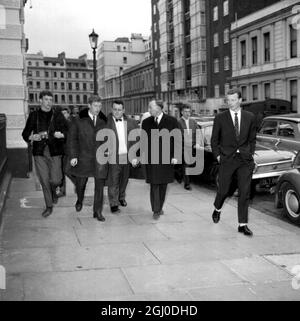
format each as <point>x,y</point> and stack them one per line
<point>94,44</point>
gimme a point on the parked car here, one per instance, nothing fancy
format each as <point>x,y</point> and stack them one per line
<point>287,195</point>
<point>270,163</point>
<point>281,132</point>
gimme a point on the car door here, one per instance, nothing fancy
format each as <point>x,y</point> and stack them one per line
<point>267,135</point>
<point>288,136</point>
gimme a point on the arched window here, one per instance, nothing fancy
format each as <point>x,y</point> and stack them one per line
<point>77,99</point>
<point>70,98</point>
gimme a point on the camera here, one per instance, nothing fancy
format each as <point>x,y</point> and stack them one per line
<point>43,135</point>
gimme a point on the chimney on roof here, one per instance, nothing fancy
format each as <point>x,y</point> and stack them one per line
<point>62,55</point>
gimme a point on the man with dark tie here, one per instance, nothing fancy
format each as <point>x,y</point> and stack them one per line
<point>159,173</point>
<point>82,152</point>
<point>233,144</point>
<point>119,166</point>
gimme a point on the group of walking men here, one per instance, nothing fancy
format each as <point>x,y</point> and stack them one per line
<point>78,142</point>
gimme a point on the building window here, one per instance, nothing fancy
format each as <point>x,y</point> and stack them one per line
<point>37,73</point>
<point>216,65</point>
<point>37,64</point>
<point>62,86</point>
<point>267,90</point>
<point>254,50</point>
<point>47,85</point>
<point>29,63</point>
<point>55,86</point>
<point>226,88</point>
<point>63,99</point>
<point>38,85</point>
<point>225,8</point>
<point>243,53</point>
<point>84,86</point>
<point>202,18</point>
<point>70,86</point>
<point>203,67</point>
<point>92,86</point>
<point>85,100</point>
<point>77,75</point>
<point>226,63</point>
<point>216,13</point>
<point>69,75</point>
<point>217,91</point>
<point>293,42</point>
<point>55,74</point>
<point>46,74</point>
<point>202,43</point>
<point>31,98</point>
<point>124,60</point>
<point>294,94</point>
<point>226,35</point>
<point>255,92</point>
<point>77,86</point>
<point>267,47</point>
<point>84,75</point>
<point>30,84</point>
<point>154,9</point>
<point>118,48</point>
<point>216,40</point>
<point>154,27</point>
<point>70,99</point>
<point>244,93</point>
<point>62,75</point>
<point>77,99</point>
<point>55,99</point>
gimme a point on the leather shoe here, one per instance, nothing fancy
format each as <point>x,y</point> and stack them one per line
<point>188,187</point>
<point>78,206</point>
<point>245,229</point>
<point>216,216</point>
<point>115,209</point>
<point>54,198</point>
<point>123,203</point>
<point>99,216</point>
<point>47,212</point>
<point>161,212</point>
<point>156,215</point>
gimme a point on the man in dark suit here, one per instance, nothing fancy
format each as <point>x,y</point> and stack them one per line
<point>233,145</point>
<point>119,167</point>
<point>191,141</point>
<point>158,174</point>
<point>82,153</point>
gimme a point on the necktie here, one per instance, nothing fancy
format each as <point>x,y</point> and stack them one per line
<point>94,120</point>
<point>156,120</point>
<point>236,125</point>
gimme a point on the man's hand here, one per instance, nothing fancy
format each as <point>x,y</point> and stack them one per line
<point>174,161</point>
<point>74,162</point>
<point>59,135</point>
<point>35,138</point>
<point>218,159</point>
<point>197,146</point>
<point>134,162</point>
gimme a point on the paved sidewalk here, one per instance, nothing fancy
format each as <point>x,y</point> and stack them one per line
<point>183,256</point>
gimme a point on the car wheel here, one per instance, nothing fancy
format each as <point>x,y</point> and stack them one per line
<point>291,202</point>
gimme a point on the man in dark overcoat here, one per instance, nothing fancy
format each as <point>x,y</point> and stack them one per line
<point>159,173</point>
<point>82,151</point>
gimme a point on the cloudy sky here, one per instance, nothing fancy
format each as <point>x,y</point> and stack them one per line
<point>64,25</point>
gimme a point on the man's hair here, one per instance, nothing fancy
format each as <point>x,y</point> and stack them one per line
<point>45,93</point>
<point>185,106</point>
<point>118,102</point>
<point>66,109</point>
<point>233,91</point>
<point>94,99</point>
<point>158,102</point>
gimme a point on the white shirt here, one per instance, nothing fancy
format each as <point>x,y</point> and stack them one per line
<point>187,123</point>
<point>232,113</point>
<point>92,118</point>
<point>120,126</point>
<point>159,118</point>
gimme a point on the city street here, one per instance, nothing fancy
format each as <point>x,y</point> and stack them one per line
<point>183,256</point>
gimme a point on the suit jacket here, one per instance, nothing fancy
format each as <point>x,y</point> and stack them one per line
<point>82,145</point>
<point>224,142</point>
<point>158,173</point>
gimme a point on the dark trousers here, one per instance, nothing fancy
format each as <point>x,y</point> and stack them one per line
<point>118,176</point>
<point>98,192</point>
<point>243,171</point>
<point>66,166</point>
<point>49,172</point>
<point>158,196</point>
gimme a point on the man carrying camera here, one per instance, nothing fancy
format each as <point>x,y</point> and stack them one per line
<point>46,129</point>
